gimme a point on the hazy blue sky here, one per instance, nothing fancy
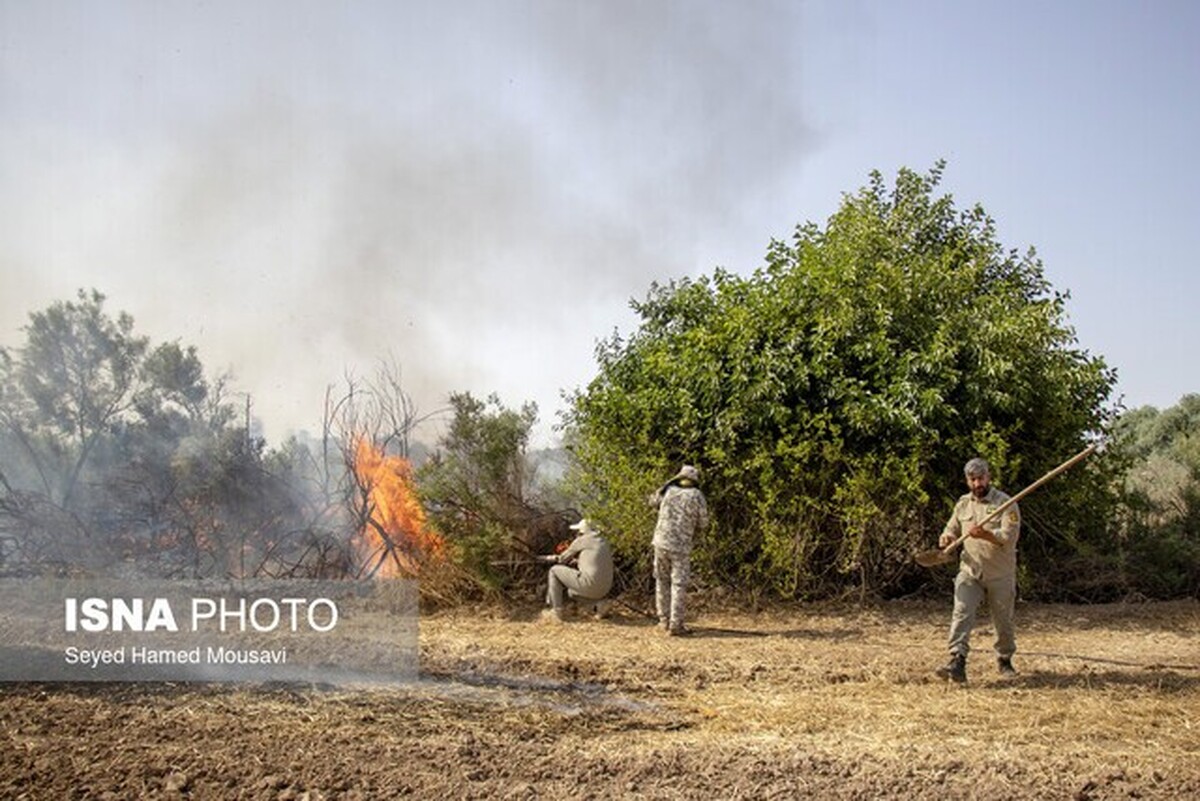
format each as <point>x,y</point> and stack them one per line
<point>476,189</point>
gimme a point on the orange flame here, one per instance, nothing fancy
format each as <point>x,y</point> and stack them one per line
<point>395,539</point>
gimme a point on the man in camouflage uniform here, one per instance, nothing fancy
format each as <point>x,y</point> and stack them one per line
<point>987,567</point>
<point>682,514</point>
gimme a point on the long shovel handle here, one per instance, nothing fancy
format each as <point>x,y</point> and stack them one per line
<point>999,510</point>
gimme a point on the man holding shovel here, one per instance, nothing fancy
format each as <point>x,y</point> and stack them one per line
<point>987,568</point>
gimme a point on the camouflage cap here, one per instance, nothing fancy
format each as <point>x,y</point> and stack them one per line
<point>689,472</point>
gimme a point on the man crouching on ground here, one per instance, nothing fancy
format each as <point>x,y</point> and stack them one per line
<point>589,582</point>
<point>987,567</point>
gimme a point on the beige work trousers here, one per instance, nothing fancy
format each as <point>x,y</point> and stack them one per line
<point>969,593</point>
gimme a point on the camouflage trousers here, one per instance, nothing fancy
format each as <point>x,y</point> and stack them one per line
<point>969,593</point>
<point>672,570</point>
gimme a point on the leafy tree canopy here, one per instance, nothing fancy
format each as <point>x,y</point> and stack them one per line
<point>478,488</point>
<point>832,396</point>
<point>1157,548</point>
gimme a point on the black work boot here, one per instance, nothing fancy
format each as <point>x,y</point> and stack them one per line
<point>1005,666</point>
<point>955,670</point>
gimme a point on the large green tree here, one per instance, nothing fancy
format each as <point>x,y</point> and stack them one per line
<point>832,396</point>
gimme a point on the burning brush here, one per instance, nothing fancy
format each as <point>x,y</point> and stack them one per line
<point>394,538</point>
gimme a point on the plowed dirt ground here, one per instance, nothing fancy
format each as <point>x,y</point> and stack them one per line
<point>801,702</point>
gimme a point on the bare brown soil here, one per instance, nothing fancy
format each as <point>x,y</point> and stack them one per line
<point>806,702</point>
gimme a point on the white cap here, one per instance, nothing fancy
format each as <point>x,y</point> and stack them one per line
<point>584,526</point>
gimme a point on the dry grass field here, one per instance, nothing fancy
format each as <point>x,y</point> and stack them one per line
<point>798,702</point>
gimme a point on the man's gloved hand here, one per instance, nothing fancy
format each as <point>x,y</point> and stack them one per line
<point>945,540</point>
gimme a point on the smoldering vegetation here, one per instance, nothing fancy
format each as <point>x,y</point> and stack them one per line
<point>120,458</point>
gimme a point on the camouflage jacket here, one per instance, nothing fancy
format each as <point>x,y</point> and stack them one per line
<point>682,514</point>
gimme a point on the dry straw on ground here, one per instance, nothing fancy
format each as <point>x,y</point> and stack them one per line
<point>828,702</point>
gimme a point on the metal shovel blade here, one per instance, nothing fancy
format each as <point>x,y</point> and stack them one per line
<point>933,557</point>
